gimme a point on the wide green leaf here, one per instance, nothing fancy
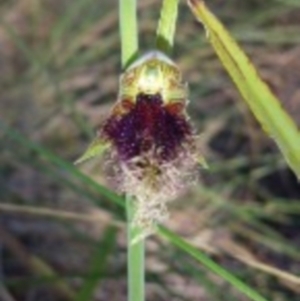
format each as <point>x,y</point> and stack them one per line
<point>264,105</point>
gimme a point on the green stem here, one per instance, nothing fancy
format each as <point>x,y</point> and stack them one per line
<point>128,31</point>
<point>136,251</point>
<point>135,257</point>
<point>167,25</point>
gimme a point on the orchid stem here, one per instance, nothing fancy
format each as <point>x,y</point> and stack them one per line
<point>135,256</point>
<point>136,248</point>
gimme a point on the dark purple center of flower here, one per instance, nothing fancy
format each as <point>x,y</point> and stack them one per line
<point>148,126</point>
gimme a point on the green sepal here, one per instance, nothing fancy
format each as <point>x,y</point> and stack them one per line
<point>96,148</point>
<point>202,161</point>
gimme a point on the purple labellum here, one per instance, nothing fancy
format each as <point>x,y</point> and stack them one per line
<point>150,126</point>
<point>153,149</point>
<point>152,152</point>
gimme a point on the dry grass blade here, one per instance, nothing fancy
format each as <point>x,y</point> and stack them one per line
<point>34,263</point>
<point>96,217</point>
<point>242,254</point>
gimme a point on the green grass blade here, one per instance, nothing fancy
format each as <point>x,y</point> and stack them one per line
<point>30,55</point>
<point>294,3</point>
<point>128,31</point>
<point>263,104</point>
<point>167,25</point>
<point>56,160</point>
<point>98,265</point>
<point>65,22</point>
<point>211,265</point>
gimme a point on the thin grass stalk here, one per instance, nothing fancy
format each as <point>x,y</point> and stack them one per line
<point>211,265</point>
<point>136,251</point>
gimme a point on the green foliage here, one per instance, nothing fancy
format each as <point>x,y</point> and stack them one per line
<point>22,151</point>
<point>166,26</point>
<point>98,264</point>
<point>211,265</point>
<point>263,104</point>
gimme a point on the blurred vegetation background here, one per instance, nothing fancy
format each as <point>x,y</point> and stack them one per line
<point>60,239</point>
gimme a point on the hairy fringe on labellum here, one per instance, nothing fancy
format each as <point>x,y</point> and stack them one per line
<point>153,145</point>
